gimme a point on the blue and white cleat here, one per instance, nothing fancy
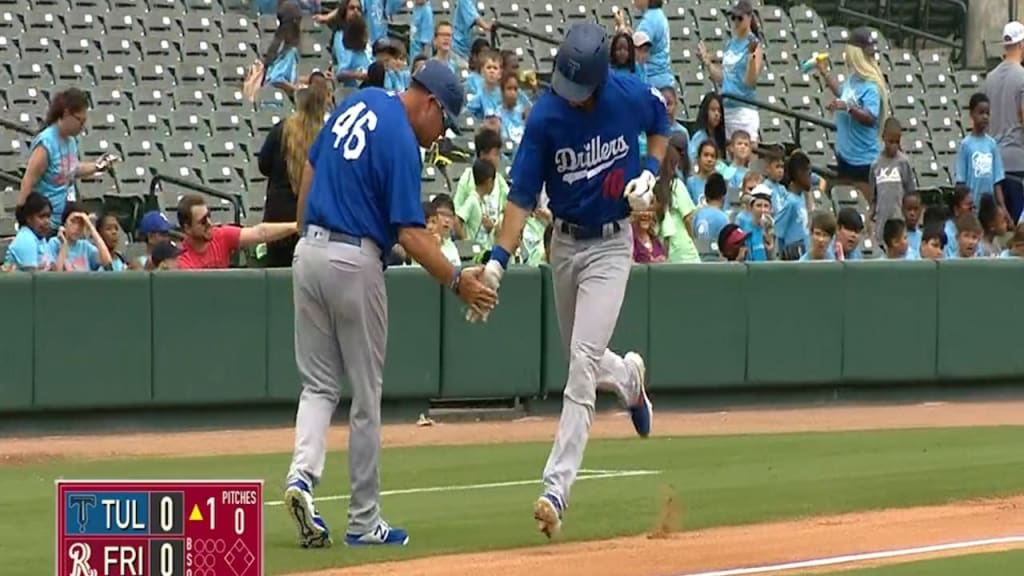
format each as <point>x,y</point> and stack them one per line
<point>313,531</point>
<point>547,511</point>
<point>382,535</point>
<point>642,412</point>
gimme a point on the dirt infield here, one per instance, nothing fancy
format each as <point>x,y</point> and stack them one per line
<point>682,553</point>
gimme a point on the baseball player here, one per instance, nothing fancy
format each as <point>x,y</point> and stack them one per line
<point>361,193</point>
<point>581,144</point>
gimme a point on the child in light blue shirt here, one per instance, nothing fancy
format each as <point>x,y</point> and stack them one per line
<point>487,102</point>
<point>791,226</point>
<point>78,246</point>
<point>30,251</point>
<point>281,60</point>
<point>351,57</point>
<point>711,218</point>
<point>979,164</point>
<point>421,29</point>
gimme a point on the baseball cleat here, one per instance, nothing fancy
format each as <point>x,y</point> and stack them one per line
<point>381,535</point>
<point>313,531</point>
<point>641,412</point>
<point>547,511</point>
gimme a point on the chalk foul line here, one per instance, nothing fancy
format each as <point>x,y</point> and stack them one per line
<point>852,558</point>
<point>584,474</point>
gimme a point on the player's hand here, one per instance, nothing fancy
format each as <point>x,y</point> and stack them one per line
<point>476,293</point>
<point>490,277</point>
<point>640,191</point>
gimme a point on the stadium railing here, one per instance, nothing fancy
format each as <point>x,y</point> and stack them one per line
<point>885,19</point>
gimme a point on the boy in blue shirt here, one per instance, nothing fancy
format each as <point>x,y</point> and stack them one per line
<point>487,102</point>
<point>753,220</point>
<point>912,218</point>
<point>979,164</point>
<point>467,17</point>
<point>851,225</point>
<point>710,219</point>
<point>791,221</point>
<point>823,232</point>
<point>421,29</point>
<point>968,235</point>
<point>894,236</point>
<point>933,242</point>
<point>739,156</point>
<point>774,172</point>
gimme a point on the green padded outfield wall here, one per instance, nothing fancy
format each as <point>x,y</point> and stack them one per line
<point>17,304</point>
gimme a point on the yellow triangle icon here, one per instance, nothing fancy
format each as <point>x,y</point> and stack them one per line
<point>196,515</point>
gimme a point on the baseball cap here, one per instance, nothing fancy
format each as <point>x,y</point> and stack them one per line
<point>164,251</point>
<point>154,222</point>
<point>742,8</point>
<point>289,11</point>
<point>731,237</point>
<point>640,38</point>
<point>1013,33</point>
<point>581,64</point>
<point>438,79</point>
<point>761,191</point>
<point>864,39</point>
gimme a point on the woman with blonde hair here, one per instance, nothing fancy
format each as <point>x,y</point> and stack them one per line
<point>860,107</point>
<point>282,160</point>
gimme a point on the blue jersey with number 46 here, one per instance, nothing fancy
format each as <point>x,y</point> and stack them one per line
<point>585,158</point>
<point>366,170</point>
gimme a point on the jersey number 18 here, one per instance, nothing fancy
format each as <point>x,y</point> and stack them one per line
<point>351,127</point>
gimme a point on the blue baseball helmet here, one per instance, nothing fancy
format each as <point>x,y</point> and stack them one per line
<point>581,65</point>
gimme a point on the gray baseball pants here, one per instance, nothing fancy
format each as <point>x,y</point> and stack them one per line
<point>341,330</point>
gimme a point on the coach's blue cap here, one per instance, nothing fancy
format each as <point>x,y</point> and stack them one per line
<point>581,65</point>
<point>438,79</point>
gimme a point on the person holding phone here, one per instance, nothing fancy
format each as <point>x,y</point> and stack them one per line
<point>53,164</point>
<point>742,63</point>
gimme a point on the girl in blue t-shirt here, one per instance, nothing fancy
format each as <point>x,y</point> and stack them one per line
<point>78,246</point>
<point>707,157</point>
<point>30,251</point>
<point>742,63</point>
<point>352,61</point>
<point>53,164</point>
<point>281,60</point>
<point>513,113</point>
<point>709,125</point>
<point>623,53</point>
<point>110,231</point>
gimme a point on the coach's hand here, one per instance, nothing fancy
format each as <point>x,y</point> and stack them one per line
<point>640,191</point>
<point>491,278</point>
<point>474,291</point>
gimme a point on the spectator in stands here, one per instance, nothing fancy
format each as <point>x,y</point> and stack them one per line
<point>647,247</point>
<point>672,107</point>
<point>165,256</point>
<point>376,13</point>
<point>153,229</point>
<point>774,158</point>
<point>709,125</point>
<point>623,54</point>
<point>653,22</point>
<point>711,217</point>
<point>53,164</point>
<point>110,231</point>
<point>443,46</point>
<point>30,251</point>
<point>823,232</point>
<point>487,102</point>
<point>732,243</point>
<point>752,179</point>
<point>440,214</point>
<point>467,18</point>
<point>960,203</point>
<point>850,228</point>
<point>421,29</point>
<point>674,207</point>
<point>376,76</point>
<point>742,64</point>
<point>642,44</point>
<point>707,157</point>
<point>474,83</point>
<point>336,19</point>
<point>208,247</point>
<point>993,225</point>
<point>281,60</point>
<point>979,164</point>
<point>351,62</point>
<point>894,239</point>
<point>532,250</point>
<point>478,215</point>
<point>390,55</point>
<point>860,104</point>
<point>1015,245</point>
<point>791,230</point>
<point>968,236</point>
<point>890,179</point>
<point>78,246</point>
<point>753,221</point>
<point>513,112</point>
<point>488,144</point>
<point>529,85</point>
<point>933,242</point>
<point>912,217</point>
<point>740,150</point>
<point>282,159</point>
<point>1004,86</point>
<point>418,63</point>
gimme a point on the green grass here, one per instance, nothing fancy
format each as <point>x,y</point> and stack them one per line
<point>993,564</point>
<point>719,480</point>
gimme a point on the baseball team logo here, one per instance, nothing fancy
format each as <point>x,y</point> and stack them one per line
<point>80,554</point>
<point>596,156</point>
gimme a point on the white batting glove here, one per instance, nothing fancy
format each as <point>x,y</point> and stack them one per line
<point>491,277</point>
<point>640,191</point>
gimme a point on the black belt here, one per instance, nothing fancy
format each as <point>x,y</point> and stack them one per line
<point>587,232</point>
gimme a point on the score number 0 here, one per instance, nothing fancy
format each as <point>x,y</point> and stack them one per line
<point>167,524</point>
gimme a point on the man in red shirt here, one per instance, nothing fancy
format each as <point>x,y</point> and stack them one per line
<point>210,247</point>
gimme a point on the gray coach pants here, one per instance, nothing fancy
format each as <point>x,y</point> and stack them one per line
<point>341,330</point>
<point>589,278</point>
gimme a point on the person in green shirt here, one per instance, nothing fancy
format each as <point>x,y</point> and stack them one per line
<point>487,143</point>
<point>675,209</point>
<point>533,251</point>
<point>478,216</point>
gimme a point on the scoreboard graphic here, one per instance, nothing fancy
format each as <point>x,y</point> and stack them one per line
<point>160,528</point>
